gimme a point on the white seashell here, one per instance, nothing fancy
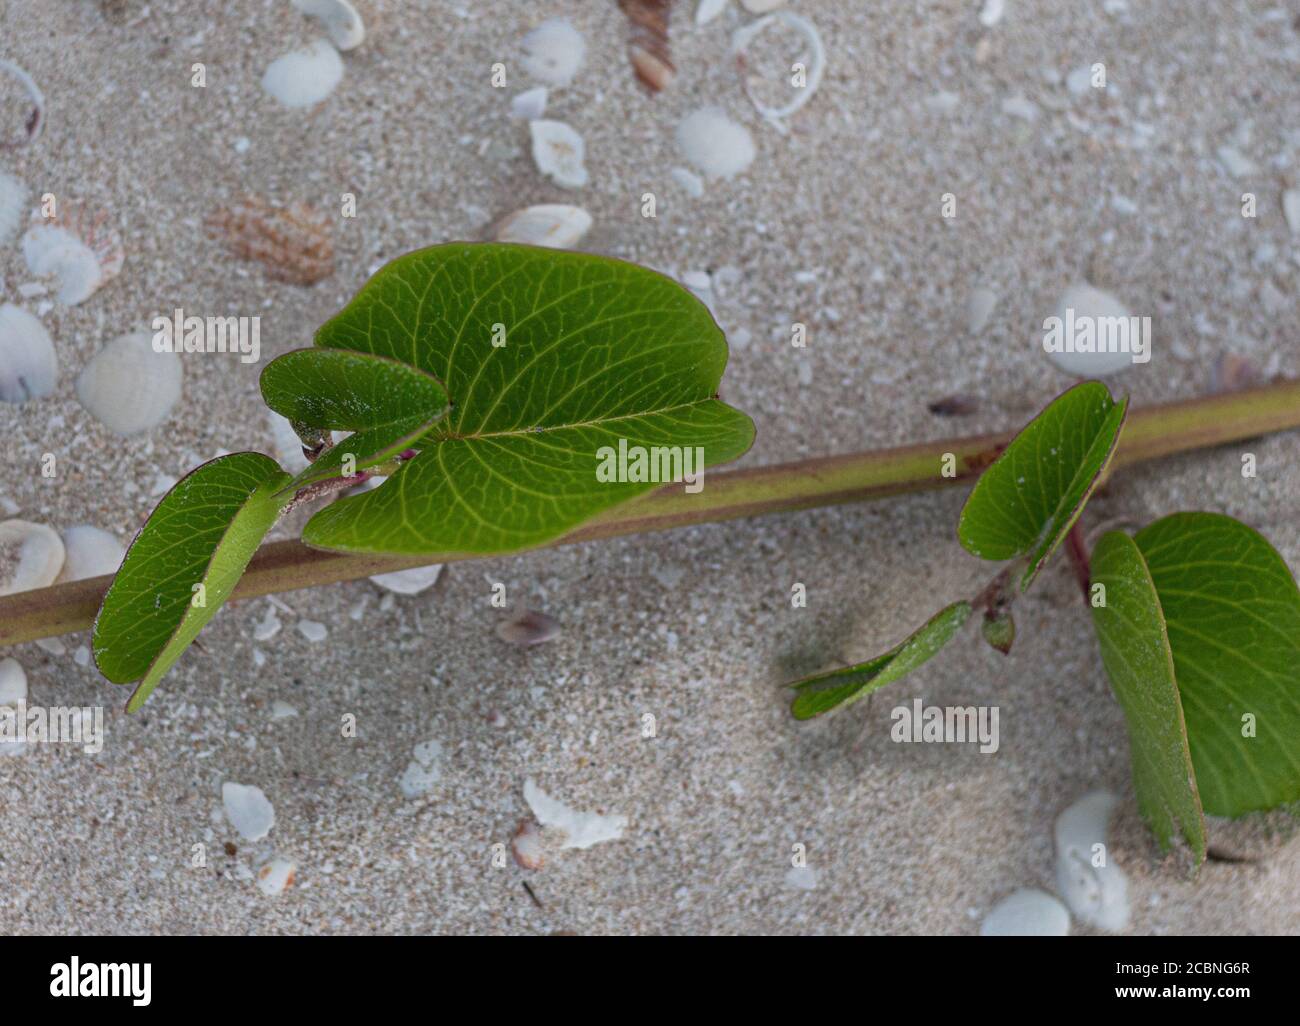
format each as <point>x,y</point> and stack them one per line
<point>529,105</point>
<point>13,689</point>
<point>304,77</point>
<point>553,52</point>
<point>529,629</point>
<point>28,365</point>
<point>1027,912</point>
<point>708,10</point>
<point>761,6</point>
<point>13,206</point>
<point>90,552</point>
<point>286,443</point>
<point>34,123</point>
<point>1088,301</point>
<point>31,556</point>
<point>1097,894</point>
<point>558,152</point>
<point>715,144</point>
<point>128,387</point>
<point>815,66</point>
<point>992,12</point>
<point>1291,209</point>
<point>276,877</point>
<point>979,307</point>
<point>409,582</point>
<point>339,18</point>
<point>554,225</point>
<point>691,183</point>
<point>248,810</point>
<point>579,829</point>
<point>313,630</point>
<point>77,247</point>
<point>423,771</point>
<point>13,682</point>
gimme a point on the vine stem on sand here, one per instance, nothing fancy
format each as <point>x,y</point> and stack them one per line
<point>1150,433</point>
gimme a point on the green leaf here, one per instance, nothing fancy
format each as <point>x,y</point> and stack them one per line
<point>595,353</point>
<point>1028,500</point>
<point>1135,649</point>
<point>389,404</point>
<point>1233,615</point>
<point>825,691</point>
<point>204,531</point>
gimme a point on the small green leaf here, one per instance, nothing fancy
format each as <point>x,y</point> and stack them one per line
<point>551,360</point>
<point>390,405</point>
<point>1028,500</point>
<point>825,691</point>
<point>999,630</point>
<point>203,533</point>
<point>1233,615</point>
<point>1135,649</point>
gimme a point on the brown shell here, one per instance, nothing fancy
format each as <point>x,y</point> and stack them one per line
<point>293,243</point>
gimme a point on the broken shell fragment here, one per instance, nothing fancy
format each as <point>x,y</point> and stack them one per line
<point>31,556</point>
<point>707,10</point>
<point>28,364</point>
<point>77,247</point>
<point>89,552</point>
<point>559,152</point>
<point>529,629</point>
<point>34,122</point>
<point>339,18</point>
<point>302,78</point>
<point>128,387</point>
<point>530,104</point>
<point>292,243</point>
<point>814,67</point>
<point>409,582</point>
<point>715,144</point>
<point>554,225</point>
<point>553,52</point>
<point>576,829</point>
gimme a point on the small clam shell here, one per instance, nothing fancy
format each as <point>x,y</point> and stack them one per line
<point>89,552</point>
<point>28,366</point>
<point>13,206</point>
<point>409,582</point>
<point>553,52</point>
<point>77,246</point>
<point>715,144</point>
<point>559,152</point>
<point>1089,301</point>
<point>529,629</point>
<point>31,556</point>
<point>128,387</point>
<point>554,225</point>
<point>339,18</point>
<point>302,78</point>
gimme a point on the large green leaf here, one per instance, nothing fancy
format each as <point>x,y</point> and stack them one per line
<point>204,532</point>
<point>1135,649</point>
<point>1028,500</point>
<point>1233,613</point>
<point>389,404</point>
<point>596,353</point>
<point>825,691</point>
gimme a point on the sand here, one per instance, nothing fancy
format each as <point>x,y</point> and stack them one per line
<point>836,224</point>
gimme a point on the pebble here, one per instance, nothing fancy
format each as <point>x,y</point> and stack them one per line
<point>1027,913</point>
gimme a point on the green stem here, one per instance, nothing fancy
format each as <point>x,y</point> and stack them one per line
<point>1150,433</point>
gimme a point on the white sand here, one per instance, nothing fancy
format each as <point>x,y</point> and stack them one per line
<point>902,838</point>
